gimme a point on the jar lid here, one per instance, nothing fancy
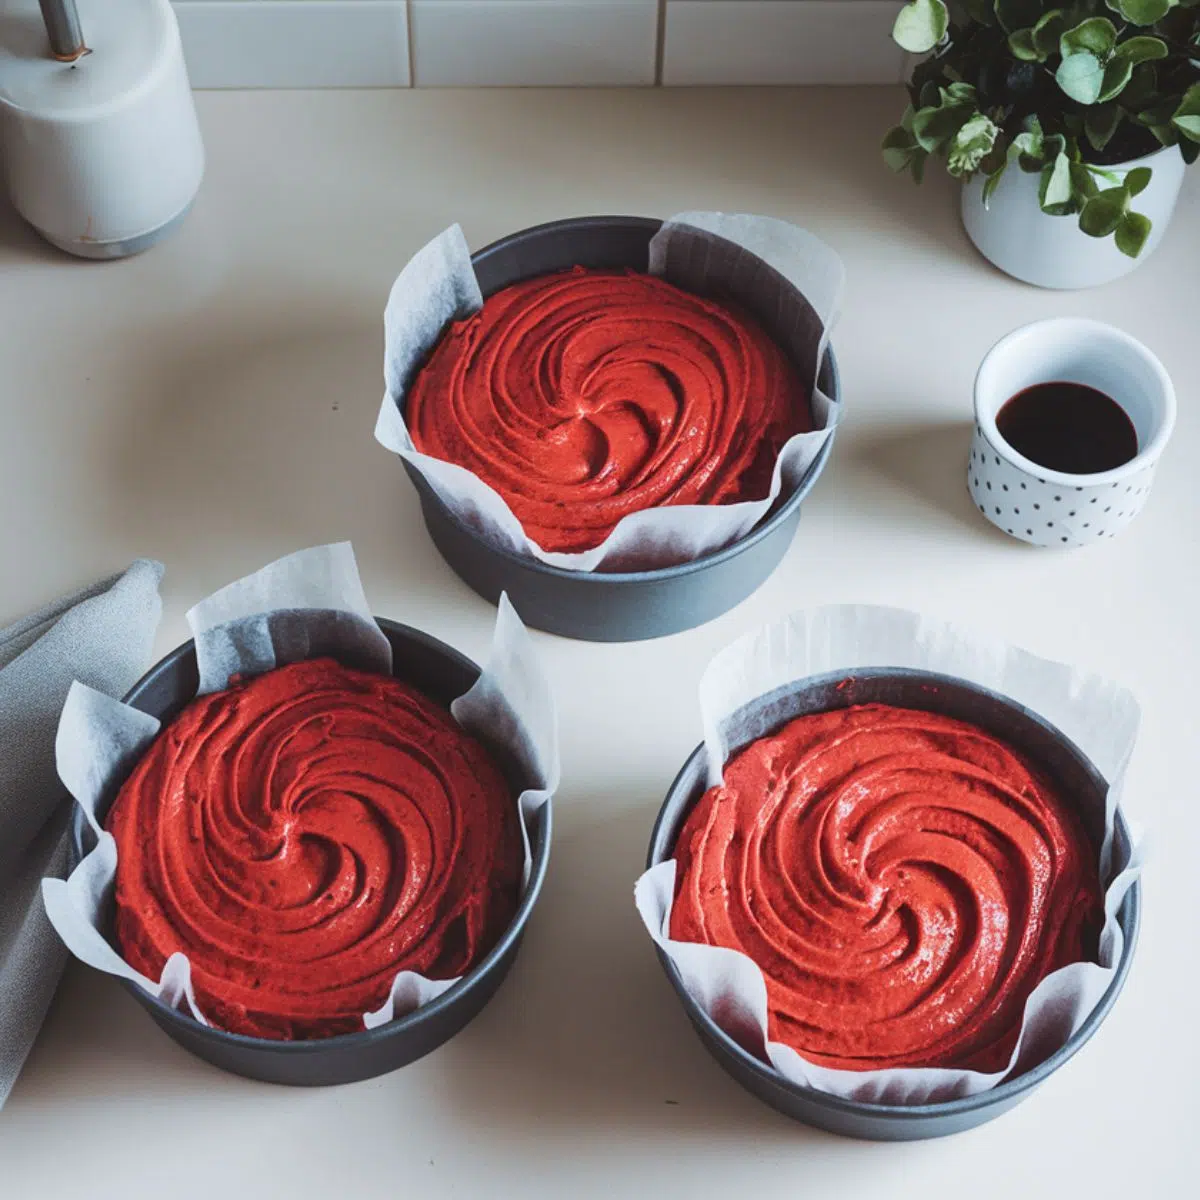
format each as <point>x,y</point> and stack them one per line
<point>129,40</point>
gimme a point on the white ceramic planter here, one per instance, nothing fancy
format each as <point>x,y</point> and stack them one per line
<point>1015,235</point>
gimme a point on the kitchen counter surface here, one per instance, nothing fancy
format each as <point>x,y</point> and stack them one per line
<point>211,404</point>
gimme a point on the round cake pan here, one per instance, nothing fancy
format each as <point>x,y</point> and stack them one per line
<point>442,674</point>
<point>1005,719</point>
<point>608,606</point>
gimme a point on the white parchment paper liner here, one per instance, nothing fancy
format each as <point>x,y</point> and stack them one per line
<point>307,605</point>
<point>1098,716</point>
<point>767,264</point>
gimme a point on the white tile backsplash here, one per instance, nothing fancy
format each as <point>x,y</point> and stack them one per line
<point>517,43</point>
<point>365,43</point>
<point>781,42</point>
<point>295,43</point>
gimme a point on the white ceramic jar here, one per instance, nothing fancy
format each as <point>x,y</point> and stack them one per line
<point>1015,235</point>
<point>102,155</point>
<point>1054,508</point>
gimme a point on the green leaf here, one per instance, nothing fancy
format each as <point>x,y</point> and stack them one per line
<point>1143,12</point>
<point>1018,14</point>
<point>1022,46</point>
<point>969,146</point>
<point>1137,180</point>
<point>1158,114</point>
<point>1189,126</point>
<point>1102,213</point>
<point>1186,117</point>
<point>1142,49</point>
<point>1142,88</point>
<point>1034,150</point>
<point>1029,153</point>
<point>921,25</point>
<point>1000,155</point>
<point>1029,147</point>
<point>898,147</point>
<point>1190,151</point>
<point>1048,30</point>
<point>993,182</point>
<point>1082,181</point>
<point>934,128</point>
<point>918,165</point>
<point>1132,233</point>
<point>1096,35</point>
<point>1081,77</point>
<point>1116,75</point>
<point>1101,123</point>
<point>1055,190</point>
<point>963,93</point>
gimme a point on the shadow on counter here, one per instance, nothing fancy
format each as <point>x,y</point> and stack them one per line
<point>909,475</point>
<point>586,1041</point>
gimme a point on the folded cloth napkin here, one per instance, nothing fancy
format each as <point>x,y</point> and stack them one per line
<point>104,637</point>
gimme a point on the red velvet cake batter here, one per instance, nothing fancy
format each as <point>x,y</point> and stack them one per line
<point>587,395</point>
<point>304,836</point>
<point>904,881</point>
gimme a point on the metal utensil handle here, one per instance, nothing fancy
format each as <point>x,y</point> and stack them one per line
<point>62,24</point>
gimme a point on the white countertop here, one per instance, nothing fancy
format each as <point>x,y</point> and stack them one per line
<point>211,404</point>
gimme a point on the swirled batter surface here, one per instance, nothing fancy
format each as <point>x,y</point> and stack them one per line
<point>903,880</point>
<point>304,836</point>
<point>584,396</point>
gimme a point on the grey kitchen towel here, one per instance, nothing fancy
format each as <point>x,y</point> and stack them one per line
<point>102,636</point>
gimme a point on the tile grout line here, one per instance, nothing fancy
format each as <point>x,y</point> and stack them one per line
<point>660,46</point>
<point>412,56</point>
<point>278,51</point>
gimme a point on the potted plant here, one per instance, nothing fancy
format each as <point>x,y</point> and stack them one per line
<point>1087,111</point>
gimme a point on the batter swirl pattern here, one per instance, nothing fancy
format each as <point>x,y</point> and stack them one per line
<point>584,396</point>
<point>303,837</point>
<point>903,880</point>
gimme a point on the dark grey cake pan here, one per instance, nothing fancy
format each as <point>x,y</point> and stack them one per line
<point>609,606</point>
<point>442,674</point>
<point>1020,728</point>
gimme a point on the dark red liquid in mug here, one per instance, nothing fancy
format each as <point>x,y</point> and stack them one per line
<point>1068,427</point>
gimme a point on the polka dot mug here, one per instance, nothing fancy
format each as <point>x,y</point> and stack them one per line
<point>1054,508</point>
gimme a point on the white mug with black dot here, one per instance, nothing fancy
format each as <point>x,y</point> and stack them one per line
<point>1049,507</point>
